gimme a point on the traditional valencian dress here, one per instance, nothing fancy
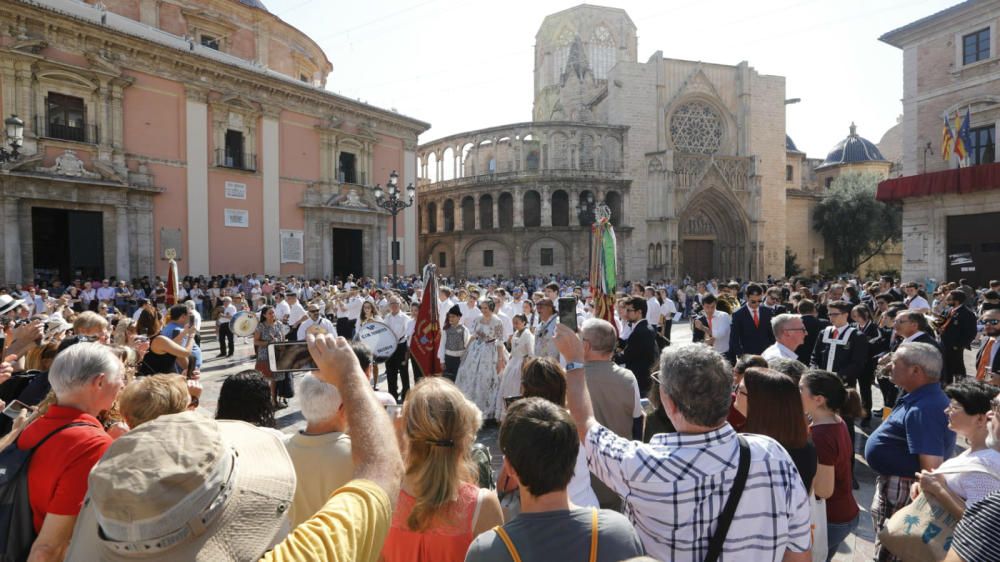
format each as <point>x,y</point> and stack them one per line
<point>522,345</point>
<point>478,376</point>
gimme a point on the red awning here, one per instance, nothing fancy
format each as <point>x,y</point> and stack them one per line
<point>983,177</point>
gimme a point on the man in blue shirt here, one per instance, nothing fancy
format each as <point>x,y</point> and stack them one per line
<point>914,437</point>
<point>178,319</point>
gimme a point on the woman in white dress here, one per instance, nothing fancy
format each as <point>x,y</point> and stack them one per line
<point>479,374</point>
<point>522,344</point>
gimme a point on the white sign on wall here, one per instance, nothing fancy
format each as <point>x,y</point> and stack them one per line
<point>238,217</point>
<point>236,190</point>
<point>291,246</point>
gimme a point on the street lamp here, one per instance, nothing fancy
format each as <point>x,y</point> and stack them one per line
<point>14,129</point>
<point>394,204</point>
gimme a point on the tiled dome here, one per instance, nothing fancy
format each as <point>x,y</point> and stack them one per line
<point>853,149</point>
<point>790,144</point>
<point>254,4</point>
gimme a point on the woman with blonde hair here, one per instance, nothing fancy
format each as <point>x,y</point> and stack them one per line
<point>441,508</point>
<point>151,397</point>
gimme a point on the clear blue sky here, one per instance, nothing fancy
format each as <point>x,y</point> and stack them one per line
<point>463,65</point>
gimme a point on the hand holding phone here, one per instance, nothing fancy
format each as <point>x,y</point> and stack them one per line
<point>567,312</point>
<point>14,409</point>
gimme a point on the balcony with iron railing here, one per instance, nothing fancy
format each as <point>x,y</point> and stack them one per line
<point>85,133</point>
<point>235,160</point>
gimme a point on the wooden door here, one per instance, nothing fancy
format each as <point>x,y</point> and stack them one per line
<point>698,259</point>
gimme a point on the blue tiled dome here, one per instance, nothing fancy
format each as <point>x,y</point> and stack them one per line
<point>254,4</point>
<point>853,149</point>
<point>790,144</point>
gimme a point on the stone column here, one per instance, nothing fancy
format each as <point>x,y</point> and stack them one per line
<point>476,213</point>
<point>198,240</point>
<point>122,262</point>
<point>496,212</point>
<point>440,216</point>
<point>271,199</point>
<point>546,207</point>
<point>12,241</point>
<point>518,208</point>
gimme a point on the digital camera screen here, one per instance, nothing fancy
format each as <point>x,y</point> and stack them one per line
<point>291,357</point>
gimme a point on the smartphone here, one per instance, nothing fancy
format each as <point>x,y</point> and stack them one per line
<point>508,400</point>
<point>14,409</point>
<point>567,312</point>
<point>285,357</point>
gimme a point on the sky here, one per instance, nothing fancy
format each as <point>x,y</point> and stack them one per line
<point>464,65</point>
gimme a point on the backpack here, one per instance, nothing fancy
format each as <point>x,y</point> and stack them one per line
<point>17,532</point>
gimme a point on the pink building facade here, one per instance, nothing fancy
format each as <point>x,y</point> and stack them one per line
<point>199,129</point>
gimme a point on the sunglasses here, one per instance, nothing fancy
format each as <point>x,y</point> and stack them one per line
<point>991,322</point>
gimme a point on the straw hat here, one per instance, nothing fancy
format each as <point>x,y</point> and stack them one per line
<point>186,487</point>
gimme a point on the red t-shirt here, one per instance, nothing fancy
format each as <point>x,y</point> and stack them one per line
<point>57,475</point>
<point>833,448</point>
<point>735,418</point>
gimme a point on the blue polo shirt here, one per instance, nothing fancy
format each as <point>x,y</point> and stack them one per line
<point>917,426</point>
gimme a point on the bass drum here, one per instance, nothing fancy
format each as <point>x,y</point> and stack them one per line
<point>244,324</point>
<point>379,337</point>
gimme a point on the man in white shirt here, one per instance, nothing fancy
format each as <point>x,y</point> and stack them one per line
<point>349,312</point>
<point>314,317</point>
<point>470,310</point>
<point>296,315</point>
<point>444,305</point>
<point>106,293</point>
<point>195,321</point>
<point>396,367</point>
<point>667,311</point>
<point>789,333</point>
<point>712,323</point>
<point>226,335</point>
<point>652,309</point>
<point>915,302</point>
<point>505,319</point>
<point>281,308</point>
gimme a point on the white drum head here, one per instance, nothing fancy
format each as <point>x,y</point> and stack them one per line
<point>244,324</point>
<point>380,338</point>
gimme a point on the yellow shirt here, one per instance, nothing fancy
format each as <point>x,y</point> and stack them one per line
<point>351,527</point>
<point>322,465</point>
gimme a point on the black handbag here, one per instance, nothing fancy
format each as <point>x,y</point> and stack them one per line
<point>285,388</point>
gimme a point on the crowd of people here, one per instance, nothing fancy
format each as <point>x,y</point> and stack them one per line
<point>615,443</point>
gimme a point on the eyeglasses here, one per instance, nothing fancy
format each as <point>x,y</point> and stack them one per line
<point>832,313</point>
<point>795,329</point>
<point>751,301</point>
<point>991,321</point>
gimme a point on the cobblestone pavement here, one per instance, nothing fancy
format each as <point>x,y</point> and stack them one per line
<point>857,548</point>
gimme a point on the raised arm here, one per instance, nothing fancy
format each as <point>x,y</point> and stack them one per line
<point>577,396</point>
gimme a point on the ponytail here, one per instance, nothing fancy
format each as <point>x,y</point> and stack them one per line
<point>841,400</point>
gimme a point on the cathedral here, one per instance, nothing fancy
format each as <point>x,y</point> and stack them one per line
<point>691,158</point>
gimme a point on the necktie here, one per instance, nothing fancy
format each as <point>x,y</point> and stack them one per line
<point>709,318</point>
<point>835,332</point>
<point>984,360</point>
<point>756,320</point>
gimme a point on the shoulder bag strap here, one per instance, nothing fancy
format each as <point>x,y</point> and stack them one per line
<point>726,518</point>
<point>593,534</point>
<point>54,431</point>
<point>509,543</point>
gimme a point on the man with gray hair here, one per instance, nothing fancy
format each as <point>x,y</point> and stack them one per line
<point>674,486</point>
<point>321,453</point>
<point>789,333</point>
<point>914,437</point>
<point>86,379</point>
<point>615,394</point>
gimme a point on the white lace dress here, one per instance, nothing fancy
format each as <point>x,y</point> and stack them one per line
<point>478,375</point>
<point>521,346</point>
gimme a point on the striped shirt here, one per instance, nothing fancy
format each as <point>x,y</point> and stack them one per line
<point>676,486</point>
<point>977,536</point>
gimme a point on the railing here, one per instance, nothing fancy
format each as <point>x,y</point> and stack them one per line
<point>526,174</point>
<point>77,133</point>
<point>235,160</point>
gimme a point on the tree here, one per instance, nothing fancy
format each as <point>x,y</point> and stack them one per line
<point>855,225</point>
<point>792,267</point>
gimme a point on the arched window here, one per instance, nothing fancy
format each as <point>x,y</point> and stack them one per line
<point>506,202</point>
<point>532,209</point>
<point>432,220</point>
<point>659,254</point>
<point>468,214</point>
<point>560,53</point>
<point>586,152</point>
<point>602,52</point>
<point>449,216</point>
<point>651,256</point>
<point>614,203</point>
<point>560,208</point>
<point>695,127</point>
<point>585,208</point>
<point>486,212</point>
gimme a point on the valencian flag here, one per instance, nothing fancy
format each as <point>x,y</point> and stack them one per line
<point>604,265</point>
<point>947,138</point>
<point>427,328</point>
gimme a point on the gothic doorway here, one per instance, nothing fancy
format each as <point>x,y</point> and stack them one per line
<point>698,258</point>
<point>714,239</point>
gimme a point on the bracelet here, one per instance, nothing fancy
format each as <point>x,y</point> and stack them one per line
<point>194,402</point>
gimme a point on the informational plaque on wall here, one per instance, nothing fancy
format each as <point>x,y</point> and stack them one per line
<point>291,246</point>
<point>239,218</point>
<point>236,190</point>
<point>171,238</point>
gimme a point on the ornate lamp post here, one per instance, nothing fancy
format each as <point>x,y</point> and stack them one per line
<point>14,130</point>
<point>393,203</point>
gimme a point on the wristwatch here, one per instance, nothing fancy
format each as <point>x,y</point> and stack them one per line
<point>571,366</point>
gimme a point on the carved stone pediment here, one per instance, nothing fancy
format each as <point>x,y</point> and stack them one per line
<point>350,197</point>
<point>28,45</point>
<point>104,60</point>
<point>69,165</point>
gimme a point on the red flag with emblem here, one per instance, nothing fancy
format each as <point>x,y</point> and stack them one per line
<point>427,328</point>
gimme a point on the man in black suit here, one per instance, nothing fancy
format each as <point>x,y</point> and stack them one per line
<point>886,287</point>
<point>814,325</point>
<point>641,351</point>
<point>987,359</point>
<point>751,328</point>
<point>956,335</point>
<point>772,300</point>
